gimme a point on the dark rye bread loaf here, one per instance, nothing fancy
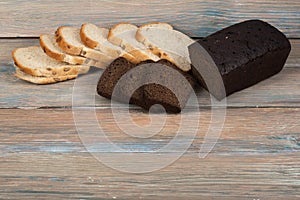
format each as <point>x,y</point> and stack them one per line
<point>149,94</point>
<point>245,54</point>
<point>162,95</point>
<point>110,78</point>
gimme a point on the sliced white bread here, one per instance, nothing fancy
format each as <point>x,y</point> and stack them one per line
<point>68,39</point>
<point>123,35</point>
<point>96,38</point>
<point>41,80</point>
<point>51,48</point>
<point>33,61</point>
<point>167,44</point>
<point>157,25</point>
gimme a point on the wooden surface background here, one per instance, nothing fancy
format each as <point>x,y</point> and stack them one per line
<point>42,156</point>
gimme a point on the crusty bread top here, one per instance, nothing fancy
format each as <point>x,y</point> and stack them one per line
<point>32,60</point>
<point>123,35</point>
<point>167,44</point>
<point>51,48</point>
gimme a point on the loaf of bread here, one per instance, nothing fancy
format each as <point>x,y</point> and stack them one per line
<point>149,94</point>
<point>245,54</point>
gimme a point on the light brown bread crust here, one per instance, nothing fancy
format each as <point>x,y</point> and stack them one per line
<point>41,80</point>
<point>64,45</point>
<point>155,50</point>
<point>86,40</point>
<point>163,24</point>
<point>75,60</point>
<point>51,72</point>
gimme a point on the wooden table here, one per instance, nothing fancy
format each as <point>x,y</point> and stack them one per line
<point>42,157</point>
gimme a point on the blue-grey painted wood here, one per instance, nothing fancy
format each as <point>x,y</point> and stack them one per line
<point>282,90</point>
<point>256,157</point>
<point>194,17</point>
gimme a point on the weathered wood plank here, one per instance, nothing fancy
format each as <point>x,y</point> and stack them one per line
<point>8,45</point>
<point>280,90</point>
<point>195,17</point>
<point>257,157</point>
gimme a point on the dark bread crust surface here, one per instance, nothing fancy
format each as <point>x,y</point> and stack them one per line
<point>245,54</point>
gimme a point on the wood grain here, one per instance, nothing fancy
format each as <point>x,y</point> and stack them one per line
<point>8,45</point>
<point>195,17</point>
<point>282,90</point>
<point>257,156</point>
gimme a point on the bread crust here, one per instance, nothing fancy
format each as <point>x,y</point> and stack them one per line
<point>157,51</point>
<point>75,60</point>
<point>41,80</point>
<point>163,24</point>
<point>51,72</point>
<point>85,39</point>
<point>138,56</point>
<point>64,45</point>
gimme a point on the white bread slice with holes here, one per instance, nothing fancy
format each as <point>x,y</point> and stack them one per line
<point>96,38</point>
<point>33,61</point>
<point>168,44</point>
<point>40,80</point>
<point>51,48</point>
<point>68,39</point>
<point>123,35</point>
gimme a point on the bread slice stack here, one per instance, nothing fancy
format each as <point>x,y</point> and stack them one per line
<point>72,51</point>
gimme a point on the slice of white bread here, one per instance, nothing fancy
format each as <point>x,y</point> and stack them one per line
<point>96,38</point>
<point>51,48</point>
<point>157,25</point>
<point>123,35</point>
<point>68,39</point>
<point>167,44</point>
<point>33,61</point>
<point>41,80</point>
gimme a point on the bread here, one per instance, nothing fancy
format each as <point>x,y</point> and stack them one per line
<point>123,35</point>
<point>173,100</point>
<point>146,95</point>
<point>51,48</point>
<point>33,61</point>
<point>110,78</point>
<point>167,44</point>
<point>244,54</point>
<point>96,38</point>
<point>157,25</point>
<point>41,80</point>
<point>68,39</point>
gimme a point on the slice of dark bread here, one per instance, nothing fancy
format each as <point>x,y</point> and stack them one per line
<point>245,54</point>
<point>149,94</point>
